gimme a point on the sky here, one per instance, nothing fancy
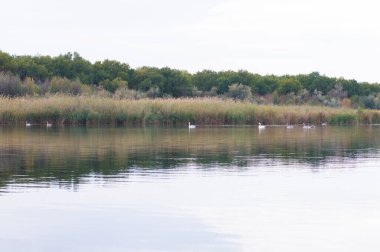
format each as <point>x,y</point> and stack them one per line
<point>338,38</point>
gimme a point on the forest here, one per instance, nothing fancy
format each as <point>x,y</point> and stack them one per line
<point>70,74</point>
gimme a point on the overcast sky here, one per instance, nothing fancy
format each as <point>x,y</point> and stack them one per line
<point>335,37</point>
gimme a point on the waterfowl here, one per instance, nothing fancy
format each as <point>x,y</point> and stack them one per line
<point>192,126</point>
<point>28,124</point>
<point>308,126</point>
<point>289,126</point>
<point>261,126</point>
<point>48,124</point>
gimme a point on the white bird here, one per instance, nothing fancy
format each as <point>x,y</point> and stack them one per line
<point>48,124</point>
<point>261,126</point>
<point>324,124</point>
<point>308,126</point>
<point>28,124</point>
<point>288,126</point>
<point>192,126</point>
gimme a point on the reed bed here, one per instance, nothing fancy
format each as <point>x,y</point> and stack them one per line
<point>80,110</point>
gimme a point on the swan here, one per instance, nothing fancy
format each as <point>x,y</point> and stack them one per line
<point>192,126</point>
<point>28,124</point>
<point>324,124</point>
<point>288,126</point>
<point>308,126</point>
<point>261,126</point>
<point>48,124</point>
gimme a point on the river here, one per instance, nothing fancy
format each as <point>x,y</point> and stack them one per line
<point>204,189</point>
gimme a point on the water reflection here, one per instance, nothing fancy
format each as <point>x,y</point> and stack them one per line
<point>208,189</point>
<point>68,156</point>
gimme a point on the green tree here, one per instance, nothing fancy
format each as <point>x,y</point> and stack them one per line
<point>265,85</point>
<point>110,70</point>
<point>315,81</point>
<point>176,83</point>
<point>61,66</point>
<point>112,86</point>
<point>146,78</point>
<point>25,66</point>
<point>287,86</point>
<point>82,69</point>
<point>6,62</point>
<point>352,87</point>
<point>227,78</point>
<point>205,80</point>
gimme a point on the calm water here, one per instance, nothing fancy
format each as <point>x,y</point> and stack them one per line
<point>208,189</point>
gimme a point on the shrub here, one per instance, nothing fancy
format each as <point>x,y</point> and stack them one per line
<point>342,119</point>
<point>125,93</point>
<point>154,92</point>
<point>288,86</point>
<point>112,86</point>
<point>10,85</point>
<point>239,92</point>
<point>30,87</point>
<point>64,86</point>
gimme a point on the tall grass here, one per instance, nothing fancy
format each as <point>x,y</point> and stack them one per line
<point>206,111</point>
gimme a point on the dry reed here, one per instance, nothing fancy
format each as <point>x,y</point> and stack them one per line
<point>61,109</point>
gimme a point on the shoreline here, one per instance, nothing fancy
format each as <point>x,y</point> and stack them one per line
<point>86,110</point>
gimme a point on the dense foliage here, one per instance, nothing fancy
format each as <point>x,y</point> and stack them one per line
<point>71,74</point>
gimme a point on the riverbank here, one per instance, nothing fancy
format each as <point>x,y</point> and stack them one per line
<point>81,110</point>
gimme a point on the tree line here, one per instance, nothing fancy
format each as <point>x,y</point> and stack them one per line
<point>70,73</point>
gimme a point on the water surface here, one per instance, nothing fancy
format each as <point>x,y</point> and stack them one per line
<point>208,189</point>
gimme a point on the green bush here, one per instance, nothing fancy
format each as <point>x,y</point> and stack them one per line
<point>287,86</point>
<point>343,119</point>
<point>112,86</point>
